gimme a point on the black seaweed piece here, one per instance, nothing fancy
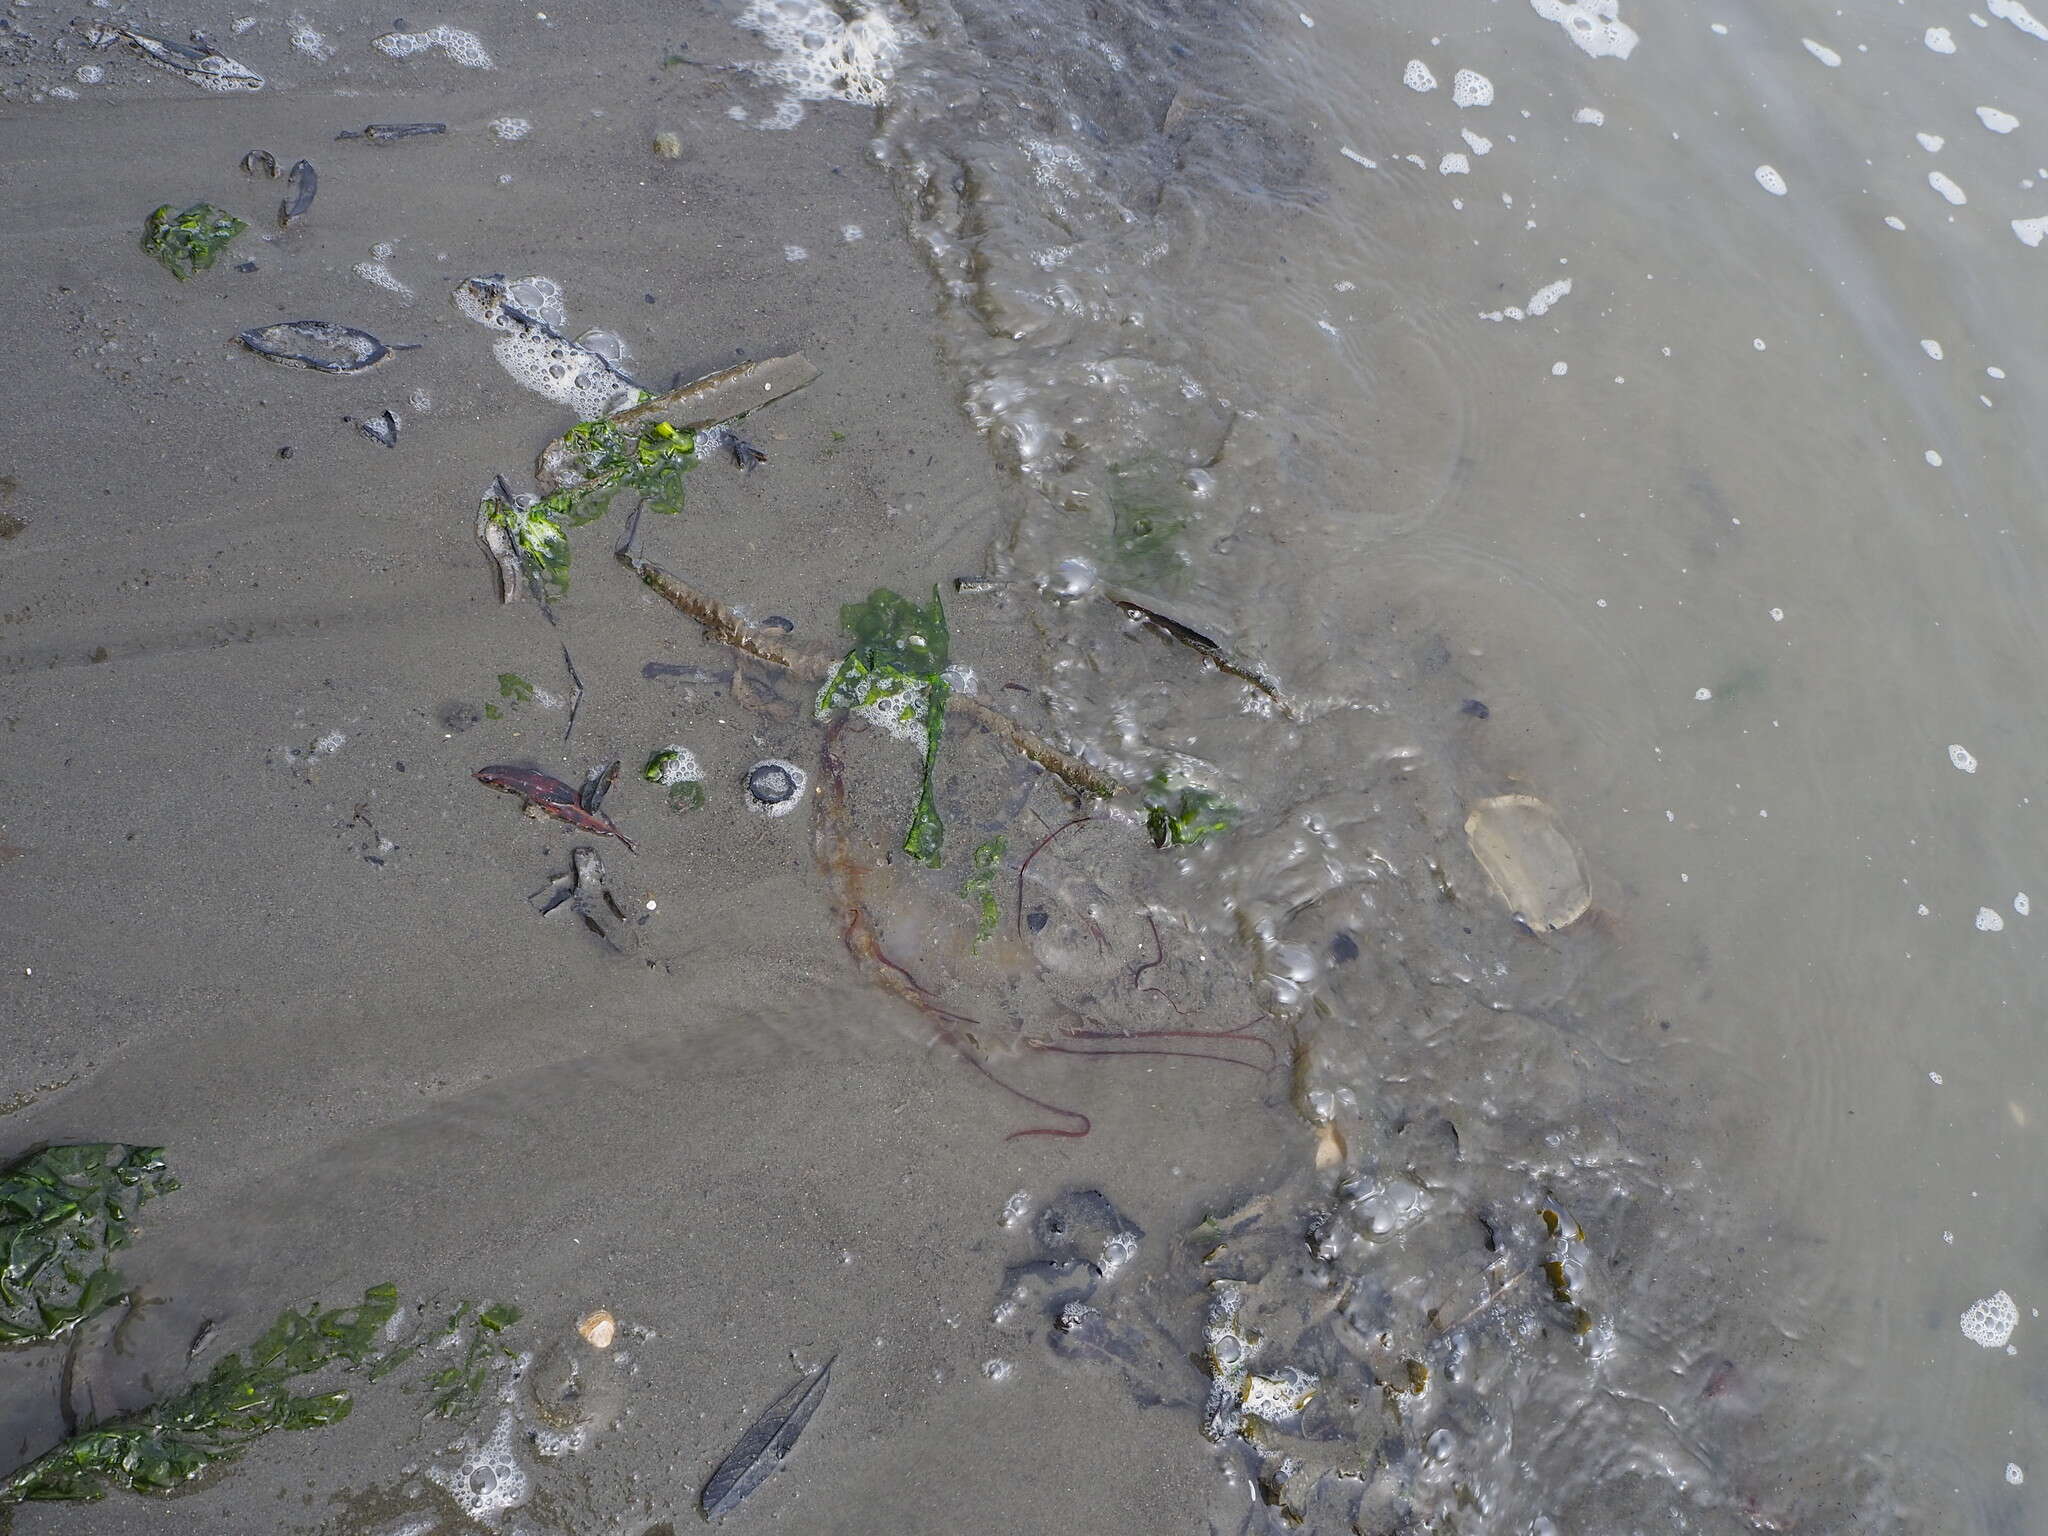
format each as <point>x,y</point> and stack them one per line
<point>304,183</point>
<point>762,1448</point>
<point>385,133</point>
<point>744,453</point>
<point>598,785</point>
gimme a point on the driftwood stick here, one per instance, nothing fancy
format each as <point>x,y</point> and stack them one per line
<point>727,628</point>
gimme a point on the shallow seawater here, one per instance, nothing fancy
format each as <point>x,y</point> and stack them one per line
<point>1355,415</point>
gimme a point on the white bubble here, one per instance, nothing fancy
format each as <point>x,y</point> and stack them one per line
<point>1931,142</point>
<point>2031,231</point>
<point>1701,695</point>
<point>1015,1208</point>
<point>1558,370</point>
<point>1593,117</point>
<point>510,128</point>
<point>1777,615</point>
<point>996,1370</point>
<point>1768,178</point>
<point>1454,165</point>
<point>851,232</point>
<point>2021,904</point>
<point>1932,458</point>
<point>1757,342</point>
<point>1932,348</point>
<point>1938,39</point>
<point>1989,921</point>
<point>1960,756</point>
<point>1823,52</point>
<point>1947,188</point>
<point>1417,76</point>
<point>1478,143</point>
<point>309,42</point>
<point>795,253</point>
<point>1934,1078</point>
<point>822,55</point>
<point>1997,121</point>
<point>376,272</point>
<point>1990,1322</point>
<point>489,1479</point>
<point>2016,13</point>
<point>1469,88</point>
<point>1592,24</point>
<point>465,48</point>
<point>2013,1474</point>
<point>1894,221</point>
<point>90,74</point>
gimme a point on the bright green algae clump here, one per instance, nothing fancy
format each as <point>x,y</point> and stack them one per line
<point>168,1444</point>
<point>165,1446</point>
<point>892,678</point>
<point>608,460</point>
<point>1183,818</point>
<point>190,241</point>
<point>980,887</point>
<point>63,1212</point>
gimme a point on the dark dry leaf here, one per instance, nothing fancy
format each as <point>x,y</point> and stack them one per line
<point>762,1448</point>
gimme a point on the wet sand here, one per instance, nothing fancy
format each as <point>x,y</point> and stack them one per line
<point>1215,292</point>
<point>313,975</point>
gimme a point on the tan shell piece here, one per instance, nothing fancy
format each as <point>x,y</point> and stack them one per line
<point>1532,864</point>
<point>599,1329</point>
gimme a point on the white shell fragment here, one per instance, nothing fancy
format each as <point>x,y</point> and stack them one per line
<point>599,1329</point>
<point>1532,864</point>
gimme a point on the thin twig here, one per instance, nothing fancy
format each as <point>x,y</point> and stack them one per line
<point>576,699</point>
<point>1034,853</point>
<point>727,628</point>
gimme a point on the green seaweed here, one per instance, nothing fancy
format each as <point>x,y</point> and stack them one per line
<point>64,1210</point>
<point>458,1388</point>
<point>667,767</point>
<point>607,460</point>
<point>514,687</point>
<point>165,1446</point>
<point>190,241</point>
<point>980,887</point>
<point>893,674</point>
<point>1180,820</point>
<point>891,631</point>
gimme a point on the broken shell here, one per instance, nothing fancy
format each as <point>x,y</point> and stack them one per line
<point>341,348</point>
<point>774,786</point>
<point>1530,861</point>
<point>599,1329</point>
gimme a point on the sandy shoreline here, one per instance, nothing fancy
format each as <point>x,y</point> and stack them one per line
<point>367,1070</point>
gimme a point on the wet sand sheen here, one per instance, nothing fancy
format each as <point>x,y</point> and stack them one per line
<point>370,1069</point>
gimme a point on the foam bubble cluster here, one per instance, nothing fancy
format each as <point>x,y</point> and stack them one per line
<point>1990,1322</point>
<point>1417,76</point>
<point>489,1479</point>
<point>529,312</point>
<point>1469,88</point>
<point>1768,178</point>
<point>2019,16</point>
<point>1957,752</point>
<point>1595,25</point>
<point>1539,302</point>
<point>1947,188</point>
<point>822,55</point>
<point>465,48</point>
